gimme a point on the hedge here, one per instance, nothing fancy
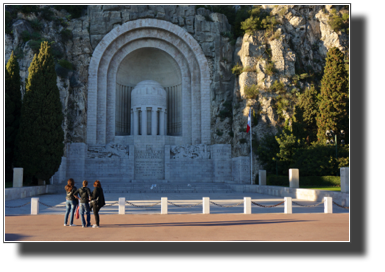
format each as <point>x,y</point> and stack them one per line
<point>316,181</point>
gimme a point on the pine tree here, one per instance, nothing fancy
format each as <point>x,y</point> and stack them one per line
<point>334,98</point>
<point>12,112</point>
<point>40,142</point>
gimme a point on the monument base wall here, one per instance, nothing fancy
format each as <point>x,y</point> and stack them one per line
<point>115,163</point>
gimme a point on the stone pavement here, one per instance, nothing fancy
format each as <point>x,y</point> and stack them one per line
<point>183,227</point>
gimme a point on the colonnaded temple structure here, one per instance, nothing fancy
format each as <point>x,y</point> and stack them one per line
<point>148,112</point>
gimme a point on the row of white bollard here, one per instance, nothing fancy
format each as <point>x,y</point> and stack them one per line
<point>328,205</point>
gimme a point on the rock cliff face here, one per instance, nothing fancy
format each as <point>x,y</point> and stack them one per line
<point>298,46</point>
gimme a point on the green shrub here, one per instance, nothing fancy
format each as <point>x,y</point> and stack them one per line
<point>338,22</point>
<point>267,152</point>
<point>26,9</point>
<point>278,87</point>
<point>270,69</point>
<point>248,69</point>
<point>320,159</point>
<point>65,63</point>
<point>8,22</point>
<point>66,35</point>
<point>36,24</point>
<point>36,44</point>
<point>237,69</point>
<point>219,132</point>
<point>310,181</point>
<point>26,36</point>
<point>251,92</point>
<point>226,110</point>
<point>46,14</point>
<point>74,10</point>
<point>242,141</point>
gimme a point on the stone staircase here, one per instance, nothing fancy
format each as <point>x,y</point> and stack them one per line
<point>165,187</point>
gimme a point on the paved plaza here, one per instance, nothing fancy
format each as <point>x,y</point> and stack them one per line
<point>182,223</point>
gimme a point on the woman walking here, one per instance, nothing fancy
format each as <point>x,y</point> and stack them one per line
<point>85,196</point>
<point>97,201</point>
<point>71,202</point>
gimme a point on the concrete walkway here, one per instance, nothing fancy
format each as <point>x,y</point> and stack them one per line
<point>183,227</point>
<point>182,223</point>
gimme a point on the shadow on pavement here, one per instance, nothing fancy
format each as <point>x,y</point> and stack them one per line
<point>205,224</point>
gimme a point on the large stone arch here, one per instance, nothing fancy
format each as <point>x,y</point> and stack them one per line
<point>126,50</point>
<point>150,33</point>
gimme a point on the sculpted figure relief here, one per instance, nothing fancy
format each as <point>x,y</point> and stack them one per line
<point>108,151</point>
<point>190,151</point>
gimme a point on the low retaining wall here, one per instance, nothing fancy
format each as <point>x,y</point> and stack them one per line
<point>303,194</point>
<point>22,192</point>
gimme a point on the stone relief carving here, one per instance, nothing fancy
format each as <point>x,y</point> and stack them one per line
<point>190,151</point>
<point>109,151</point>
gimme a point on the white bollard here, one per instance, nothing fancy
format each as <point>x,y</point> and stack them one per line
<point>294,178</point>
<point>164,207</point>
<point>328,204</point>
<point>206,205</point>
<point>34,205</point>
<point>247,205</point>
<point>288,205</point>
<point>262,177</point>
<point>122,205</point>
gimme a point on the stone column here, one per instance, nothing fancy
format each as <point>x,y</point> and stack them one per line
<point>144,121</point>
<point>344,176</point>
<point>328,204</point>
<point>17,177</point>
<point>132,123</point>
<point>161,121</point>
<point>262,177</point>
<point>165,122</point>
<point>136,124</point>
<point>294,178</point>
<point>154,121</point>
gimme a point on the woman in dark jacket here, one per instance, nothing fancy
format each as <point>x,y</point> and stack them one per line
<point>97,200</point>
<point>71,202</point>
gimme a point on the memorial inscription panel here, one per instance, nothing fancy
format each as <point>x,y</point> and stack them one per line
<point>149,162</point>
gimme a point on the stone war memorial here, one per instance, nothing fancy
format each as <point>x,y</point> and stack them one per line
<point>148,112</point>
<point>162,93</point>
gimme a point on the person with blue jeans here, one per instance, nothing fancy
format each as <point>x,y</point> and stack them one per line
<point>71,202</point>
<point>84,208</point>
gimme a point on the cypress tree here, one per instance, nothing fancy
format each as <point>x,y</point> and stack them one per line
<point>12,112</point>
<point>40,141</point>
<point>304,119</point>
<point>334,97</point>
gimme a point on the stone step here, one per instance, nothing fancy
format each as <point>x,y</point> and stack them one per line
<point>180,188</point>
<point>147,191</point>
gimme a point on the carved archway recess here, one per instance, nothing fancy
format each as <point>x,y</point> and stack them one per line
<point>132,47</point>
<point>99,82</point>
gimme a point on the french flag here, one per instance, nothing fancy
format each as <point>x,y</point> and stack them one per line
<point>248,122</point>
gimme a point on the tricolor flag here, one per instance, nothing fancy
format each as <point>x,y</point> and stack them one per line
<point>248,122</point>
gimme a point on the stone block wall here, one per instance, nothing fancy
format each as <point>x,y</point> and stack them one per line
<point>152,160</point>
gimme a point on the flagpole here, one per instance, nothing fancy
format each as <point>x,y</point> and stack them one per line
<point>251,151</point>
